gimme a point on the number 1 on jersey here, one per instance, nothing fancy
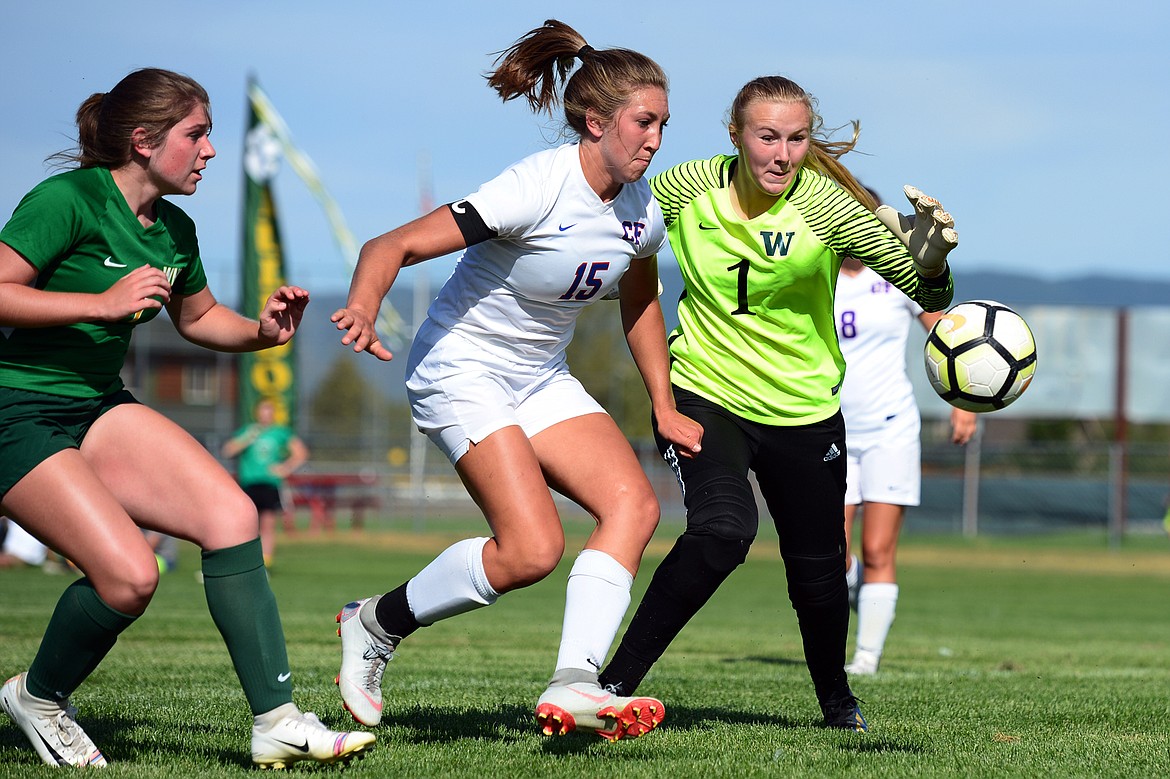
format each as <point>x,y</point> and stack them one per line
<point>741,287</point>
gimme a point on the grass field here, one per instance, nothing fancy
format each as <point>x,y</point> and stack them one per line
<point>1018,657</point>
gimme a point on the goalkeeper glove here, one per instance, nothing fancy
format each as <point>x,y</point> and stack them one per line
<point>929,233</point>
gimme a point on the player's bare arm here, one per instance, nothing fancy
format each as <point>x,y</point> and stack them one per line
<point>203,320</point>
<point>379,263</point>
<point>22,305</point>
<point>645,333</point>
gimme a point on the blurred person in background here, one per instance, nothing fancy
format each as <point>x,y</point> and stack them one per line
<point>269,453</point>
<point>882,427</point>
<point>17,548</point>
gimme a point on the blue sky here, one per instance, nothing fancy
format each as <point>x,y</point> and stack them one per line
<point>1018,116</point>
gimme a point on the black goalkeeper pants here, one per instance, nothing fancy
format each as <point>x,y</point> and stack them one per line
<point>801,475</point>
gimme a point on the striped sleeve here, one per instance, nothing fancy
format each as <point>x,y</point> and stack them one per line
<point>676,187</point>
<point>851,230</point>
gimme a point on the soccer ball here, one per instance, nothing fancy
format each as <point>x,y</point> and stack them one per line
<point>980,356</point>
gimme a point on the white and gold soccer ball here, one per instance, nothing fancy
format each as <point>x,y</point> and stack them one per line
<point>980,356</point>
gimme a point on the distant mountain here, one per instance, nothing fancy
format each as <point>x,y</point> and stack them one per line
<point>1014,289</point>
<point>319,342</point>
<point>1021,290</point>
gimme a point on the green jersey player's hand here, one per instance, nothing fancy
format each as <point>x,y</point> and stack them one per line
<point>929,233</point>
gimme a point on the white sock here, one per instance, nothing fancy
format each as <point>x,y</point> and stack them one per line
<point>853,579</point>
<point>596,599</point>
<point>42,707</point>
<point>272,717</point>
<point>453,583</point>
<point>875,613</point>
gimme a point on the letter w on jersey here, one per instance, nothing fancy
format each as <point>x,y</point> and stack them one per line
<point>774,241</point>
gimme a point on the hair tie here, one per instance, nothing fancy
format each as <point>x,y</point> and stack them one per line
<point>581,52</point>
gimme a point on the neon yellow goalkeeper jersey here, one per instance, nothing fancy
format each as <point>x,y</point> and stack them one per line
<point>756,331</point>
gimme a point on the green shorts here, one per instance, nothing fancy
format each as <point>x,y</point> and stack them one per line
<point>35,426</point>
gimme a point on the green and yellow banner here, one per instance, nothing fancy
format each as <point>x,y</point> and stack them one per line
<point>269,374</point>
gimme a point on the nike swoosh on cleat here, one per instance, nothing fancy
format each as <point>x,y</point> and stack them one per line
<point>299,747</point>
<point>707,227</point>
<point>595,698</point>
<point>56,755</point>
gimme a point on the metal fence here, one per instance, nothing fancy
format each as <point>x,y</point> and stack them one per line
<point>982,488</point>
<point>1006,488</point>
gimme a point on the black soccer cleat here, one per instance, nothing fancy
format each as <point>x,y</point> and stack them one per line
<point>844,713</point>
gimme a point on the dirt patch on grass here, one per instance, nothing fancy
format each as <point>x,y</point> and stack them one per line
<point>1073,562</point>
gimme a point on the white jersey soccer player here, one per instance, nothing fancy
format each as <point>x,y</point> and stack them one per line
<point>558,247</point>
<point>882,425</point>
<point>877,398</point>
<point>512,302</point>
<point>489,383</point>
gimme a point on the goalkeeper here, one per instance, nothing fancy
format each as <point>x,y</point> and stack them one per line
<point>755,361</point>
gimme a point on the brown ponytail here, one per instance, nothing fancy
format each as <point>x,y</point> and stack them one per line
<point>151,98</point>
<point>533,65</point>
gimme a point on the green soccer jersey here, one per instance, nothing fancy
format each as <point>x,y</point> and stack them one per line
<point>756,332</point>
<point>79,233</point>
<point>269,447</point>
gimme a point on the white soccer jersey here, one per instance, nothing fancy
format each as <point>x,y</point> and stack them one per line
<point>559,248</point>
<point>873,324</point>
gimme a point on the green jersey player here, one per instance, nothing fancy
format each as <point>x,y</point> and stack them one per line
<point>759,237</point>
<point>269,453</point>
<point>87,256</point>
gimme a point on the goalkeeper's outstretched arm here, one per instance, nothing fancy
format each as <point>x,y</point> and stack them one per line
<point>929,233</point>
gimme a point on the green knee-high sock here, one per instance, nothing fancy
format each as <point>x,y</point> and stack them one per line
<point>81,633</point>
<point>244,609</point>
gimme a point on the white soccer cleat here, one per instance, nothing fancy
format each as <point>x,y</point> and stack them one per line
<point>864,664</point>
<point>363,661</point>
<point>57,737</point>
<point>567,707</point>
<point>303,737</point>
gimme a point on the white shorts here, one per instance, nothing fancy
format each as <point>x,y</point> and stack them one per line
<point>20,544</point>
<point>885,465</point>
<point>460,394</point>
